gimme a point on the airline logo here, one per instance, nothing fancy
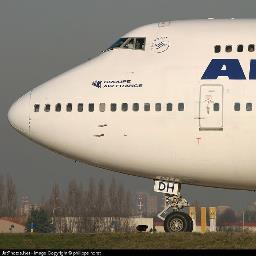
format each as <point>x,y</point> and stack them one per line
<point>230,68</point>
<point>116,84</point>
<point>97,83</point>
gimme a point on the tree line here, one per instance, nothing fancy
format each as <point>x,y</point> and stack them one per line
<point>96,200</point>
<point>96,208</point>
<point>8,196</point>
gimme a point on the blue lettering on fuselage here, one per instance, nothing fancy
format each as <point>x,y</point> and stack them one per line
<point>252,74</point>
<point>230,68</point>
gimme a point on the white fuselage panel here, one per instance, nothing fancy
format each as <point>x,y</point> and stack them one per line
<point>198,138</point>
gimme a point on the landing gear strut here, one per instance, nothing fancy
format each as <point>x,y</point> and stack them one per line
<point>174,219</point>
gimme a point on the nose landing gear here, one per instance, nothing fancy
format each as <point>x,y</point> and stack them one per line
<point>174,219</point>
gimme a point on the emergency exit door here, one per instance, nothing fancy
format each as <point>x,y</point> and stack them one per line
<point>211,108</point>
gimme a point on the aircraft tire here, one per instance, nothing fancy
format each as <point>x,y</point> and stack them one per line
<point>178,222</point>
<point>190,221</point>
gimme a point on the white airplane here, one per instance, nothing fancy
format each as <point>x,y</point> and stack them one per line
<point>173,101</point>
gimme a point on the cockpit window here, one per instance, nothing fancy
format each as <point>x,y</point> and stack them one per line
<point>129,44</point>
<point>134,43</point>
<point>118,43</point>
<point>140,43</point>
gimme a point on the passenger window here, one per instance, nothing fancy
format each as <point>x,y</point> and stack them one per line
<point>229,48</point>
<point>181,106</point>
<point>248,106</point>
<point>129,44</point>
<point>158,107</point>
<point>240,48</point>
<point>216,106</point>
<point>47,108</point>
<point>58,107</point>
<point>251,47</point>
<point>237,106</point>
<point>124,106</point>
<point>113,107</point>
<point>36,107</point>
<point>136,107</point>
<point>217,48</point>
<point>80,107</point>
<point>140,43</point>
<point>147,107</point>
<point>91,107</point>
<point>169,107</point>
<point>69,107</point>
<point>102,107</point>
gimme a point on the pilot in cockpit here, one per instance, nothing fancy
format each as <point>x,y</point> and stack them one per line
<point>140,43</point>
<point>130,43</point>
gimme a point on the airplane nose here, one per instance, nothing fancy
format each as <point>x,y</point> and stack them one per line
<point>18,114</point>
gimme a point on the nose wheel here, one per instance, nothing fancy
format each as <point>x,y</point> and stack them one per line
<point>178,222</point>
<point>174,219</point>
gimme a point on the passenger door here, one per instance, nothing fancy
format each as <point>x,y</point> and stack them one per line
<point>211,108</point>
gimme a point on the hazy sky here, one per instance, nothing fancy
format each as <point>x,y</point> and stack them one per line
<point>40,39</point>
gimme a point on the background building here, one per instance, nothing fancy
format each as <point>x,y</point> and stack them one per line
<point>11,225</point>
<point>27,206</point>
